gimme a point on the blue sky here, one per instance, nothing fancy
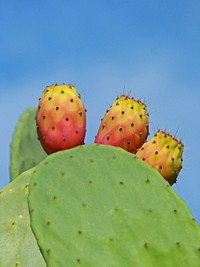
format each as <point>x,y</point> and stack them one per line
<point>147,48</point>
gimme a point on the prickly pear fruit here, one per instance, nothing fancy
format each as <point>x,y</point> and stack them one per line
<point>60,118</point>
<point>163,152</point>
<point>126,124</point>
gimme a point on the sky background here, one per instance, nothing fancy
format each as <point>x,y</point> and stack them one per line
<point>149,49</point>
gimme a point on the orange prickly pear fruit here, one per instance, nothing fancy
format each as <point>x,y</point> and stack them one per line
<point>125,124</point>
<point>60,118</point>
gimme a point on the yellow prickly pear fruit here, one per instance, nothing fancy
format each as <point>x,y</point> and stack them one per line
<point>163,152</point>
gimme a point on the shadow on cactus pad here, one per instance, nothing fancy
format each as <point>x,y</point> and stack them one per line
<point>100,206</point>
<point>26,151</point>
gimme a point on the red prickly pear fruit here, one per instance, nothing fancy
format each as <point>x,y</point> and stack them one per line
<point>164,153</point>
<point>125,124</point>
<point>60,118</point>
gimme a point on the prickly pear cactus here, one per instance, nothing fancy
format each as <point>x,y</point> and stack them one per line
<point>96,205</point>
<point>18,246</point>
<point>26,151</point>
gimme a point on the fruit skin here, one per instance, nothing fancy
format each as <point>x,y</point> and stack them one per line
<point>163,152</point>
<point>125,124</point>
<point>60,118</point>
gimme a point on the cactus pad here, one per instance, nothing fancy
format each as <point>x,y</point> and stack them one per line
<point>18,246</point>
<point>100,206</point>
<point>26,151</point>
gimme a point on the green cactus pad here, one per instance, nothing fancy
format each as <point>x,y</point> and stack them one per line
<point>26,151</point>
<point>18,247</point>
<point>100,206</point>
